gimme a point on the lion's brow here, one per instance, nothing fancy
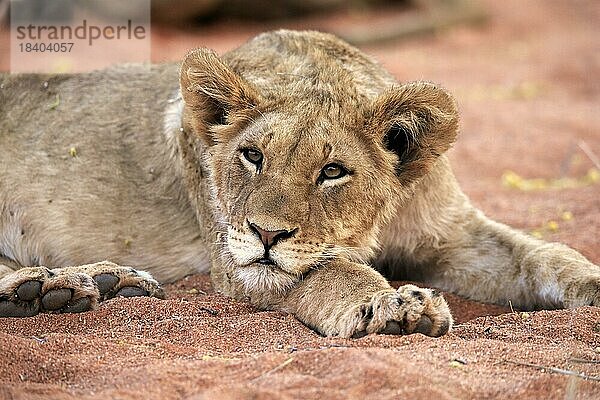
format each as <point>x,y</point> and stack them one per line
<point>294,147</point>
<point>327,149</point>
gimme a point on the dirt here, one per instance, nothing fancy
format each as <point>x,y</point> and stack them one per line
<point>527,84</point>
<point>199,344</point>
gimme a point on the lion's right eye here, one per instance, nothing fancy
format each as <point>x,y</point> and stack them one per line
<point>333,171</point>
<point>254,156</point>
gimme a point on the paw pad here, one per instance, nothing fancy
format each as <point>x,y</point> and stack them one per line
<point>425,326</point>
<point>56,299</point>
<point>106,282</point>
<point>77,306</point>
<point>29,290</point>
<point>132,291</point>
<point>11,309</point>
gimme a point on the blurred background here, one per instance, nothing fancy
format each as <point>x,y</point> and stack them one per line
<point>525,74</point>
<point>222,24</point>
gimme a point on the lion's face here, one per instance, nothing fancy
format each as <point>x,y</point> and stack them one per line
<point>296,190</point>
<point>298,181</point>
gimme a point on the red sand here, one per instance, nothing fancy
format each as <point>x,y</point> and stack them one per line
<point>527,84</point>
<point>202,345</point>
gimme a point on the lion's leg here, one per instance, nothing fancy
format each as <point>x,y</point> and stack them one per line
<point>489,261</point>
<point>29,291</point>
<point>350,300</point>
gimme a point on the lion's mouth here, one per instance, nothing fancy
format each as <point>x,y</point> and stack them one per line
<point>265,261</point>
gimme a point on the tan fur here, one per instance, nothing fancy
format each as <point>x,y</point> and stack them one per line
<point>160,182</point>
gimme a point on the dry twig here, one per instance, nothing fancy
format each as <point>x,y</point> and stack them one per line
<point>584,361</point>
<point>556,370</point>
<point>277,368</point>
<point>588,152</point>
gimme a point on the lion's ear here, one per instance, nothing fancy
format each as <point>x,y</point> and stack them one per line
<point>212,93</point>
<point>418,122</point>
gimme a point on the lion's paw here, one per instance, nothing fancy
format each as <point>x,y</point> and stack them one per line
<point>116,281</point>
<point>29,291</point>
<point>409,309</point>
<point>584,291</point>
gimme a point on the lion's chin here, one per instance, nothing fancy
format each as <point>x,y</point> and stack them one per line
<point>265,277</point>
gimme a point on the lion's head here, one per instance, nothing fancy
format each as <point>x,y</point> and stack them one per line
<point>308,158</point>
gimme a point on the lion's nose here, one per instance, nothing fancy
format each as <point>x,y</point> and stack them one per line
<point>269,238</point>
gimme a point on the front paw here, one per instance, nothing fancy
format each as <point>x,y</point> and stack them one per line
<point>560,276</point>
<point>583,290</point>
<point>117,281</point>
<point>29,291</point>
<point>409,309</point>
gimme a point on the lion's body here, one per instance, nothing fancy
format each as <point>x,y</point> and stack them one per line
<point>117,196</point>
<point>123,165</point>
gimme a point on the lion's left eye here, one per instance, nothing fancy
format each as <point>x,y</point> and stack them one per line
<point>333,171</point>
<point>254,156</point>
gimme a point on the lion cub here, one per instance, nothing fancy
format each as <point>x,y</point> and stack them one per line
<point>294,168</point>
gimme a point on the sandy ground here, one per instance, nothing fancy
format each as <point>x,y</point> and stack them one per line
<point>527,84</point>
